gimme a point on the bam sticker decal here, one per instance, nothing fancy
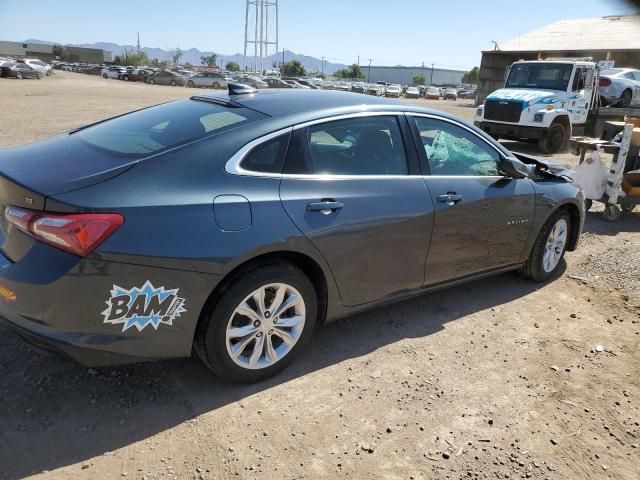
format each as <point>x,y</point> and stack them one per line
<point>140,307</point>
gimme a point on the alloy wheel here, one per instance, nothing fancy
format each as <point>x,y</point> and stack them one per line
<point>554,247</point>
<point>265,326</point>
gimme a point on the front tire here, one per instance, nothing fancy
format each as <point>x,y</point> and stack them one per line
<point>190,84</point>
<point>554,140</point>
<point>626,98</point>
<point>216,85</point>
<point>258,323</point>
<point>548,250</point>
<point>173,83</point>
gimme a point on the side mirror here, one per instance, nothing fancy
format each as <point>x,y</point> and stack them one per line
<point>513,168</point>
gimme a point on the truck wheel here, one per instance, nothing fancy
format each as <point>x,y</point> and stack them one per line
<point>554,140</point>
<point>611,213</point>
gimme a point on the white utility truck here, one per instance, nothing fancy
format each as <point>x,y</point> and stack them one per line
<point>544,100</point>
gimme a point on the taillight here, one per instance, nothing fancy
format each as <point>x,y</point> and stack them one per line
<point>77,233</point>
<point>605,82</point>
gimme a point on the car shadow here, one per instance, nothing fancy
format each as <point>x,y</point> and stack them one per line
<point>57,413</point>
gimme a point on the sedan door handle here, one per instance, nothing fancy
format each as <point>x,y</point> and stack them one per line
<point>325,206</point>
<point>450,198</point>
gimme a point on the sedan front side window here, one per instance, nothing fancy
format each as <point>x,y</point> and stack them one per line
<point>452,150</point>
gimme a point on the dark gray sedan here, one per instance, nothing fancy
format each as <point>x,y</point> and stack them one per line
<point>232,225</point>
<point>166,77</point>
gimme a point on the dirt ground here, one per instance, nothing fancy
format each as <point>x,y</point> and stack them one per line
<point>494,379</point>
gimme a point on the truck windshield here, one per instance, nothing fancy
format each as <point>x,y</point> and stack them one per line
<point>547,76</point>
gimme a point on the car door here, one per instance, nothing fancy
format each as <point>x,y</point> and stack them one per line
<point>482,218</point>
<point>353,187</point>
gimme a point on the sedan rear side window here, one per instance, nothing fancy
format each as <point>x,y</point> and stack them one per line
<point>358,146</point>
<point>452,150</point>
<point>155,129</point>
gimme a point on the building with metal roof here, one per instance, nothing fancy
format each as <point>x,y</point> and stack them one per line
<point>613,38</point>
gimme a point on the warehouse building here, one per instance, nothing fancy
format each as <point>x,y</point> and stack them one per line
<point>613,38</point>
<point>45,52</point>
<point>404,75</point>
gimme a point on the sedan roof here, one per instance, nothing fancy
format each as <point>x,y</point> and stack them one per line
<point>277,102</point>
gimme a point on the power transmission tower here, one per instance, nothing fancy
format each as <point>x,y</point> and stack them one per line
<point>260,31</point>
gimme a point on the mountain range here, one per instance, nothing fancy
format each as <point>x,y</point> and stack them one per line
<point>193,55</point>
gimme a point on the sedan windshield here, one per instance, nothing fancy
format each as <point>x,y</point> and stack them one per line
<point>548,76</point>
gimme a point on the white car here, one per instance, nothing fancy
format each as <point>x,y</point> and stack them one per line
<point>38,65</point>
<point>393,91</point>
<point>112,72</point>
<point>617,85</point>
<point>412,92</point>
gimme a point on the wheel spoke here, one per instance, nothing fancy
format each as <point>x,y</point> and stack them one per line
<point>270,352</point>
<point>291,301</point>
<point>258,297</point>
<point>285,336</point>
<point>238,348</point>
<point>246,310</point>
<point>258,348</point>
<point>278,298</point>
<point>290,322</point>
<point>239,332</point>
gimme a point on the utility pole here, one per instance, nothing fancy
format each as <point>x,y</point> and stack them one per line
<point>369,72</point>
<point>138,42</point>
<point>431,83</point>
<point>323,65</point>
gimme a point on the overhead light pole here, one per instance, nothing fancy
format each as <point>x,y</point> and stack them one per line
<point>369,72</point>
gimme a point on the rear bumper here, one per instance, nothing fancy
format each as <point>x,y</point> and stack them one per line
<point>62,303</point>
<point>511,131</point>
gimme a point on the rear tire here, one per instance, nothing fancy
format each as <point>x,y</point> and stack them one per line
<point>105,76</point>
<point>190,84</point>
<point>216,85</point>
<point>152,81</point>
<point>173,83</point>
<point>554,140</point>
<point>626,98</point>
<point>215,345</point>
<point>19,76</point>
<point>548,251</point>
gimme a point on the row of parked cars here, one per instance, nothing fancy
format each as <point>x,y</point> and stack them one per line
<point>24,68</point>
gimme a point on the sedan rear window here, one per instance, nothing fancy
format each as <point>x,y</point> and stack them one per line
<point>152,130</point>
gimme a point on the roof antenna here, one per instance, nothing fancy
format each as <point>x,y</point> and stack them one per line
<point>240,89</point>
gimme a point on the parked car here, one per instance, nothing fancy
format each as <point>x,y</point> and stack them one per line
<point>95,70</point>
<point>358,87</point>
<point>471,93</point>
<point>450,94</point>
<point>374,89</point>
<point>167,77</point>
<point>617,85</point>
<point>343,86</point>
<point>20,70</point>
<point>296,84</point>
<point>303,83</point>
<point>37,65</point>
<point>209,79</point>
<point>432,93</point>
<point>412,92</point>
<point>136,75</point>
<point>242,269</point>
<point>328,85</point>
<point>278,83</point>
<point>393,91</point>
<point>112,72</point>
<point>251,81</point>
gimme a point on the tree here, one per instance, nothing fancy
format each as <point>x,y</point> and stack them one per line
<point>233,67</point>
<point>176,55</point>
<point>419,80</point>
<point>355,71</point>
<point>58,51</point>
<point>472,76</point>
<point>293,69</point>
<point>209,60</point>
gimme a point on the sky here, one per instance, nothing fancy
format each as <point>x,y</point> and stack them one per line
<point>406,32</point>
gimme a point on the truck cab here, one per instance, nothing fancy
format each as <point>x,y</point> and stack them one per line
<point>543,100</point>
